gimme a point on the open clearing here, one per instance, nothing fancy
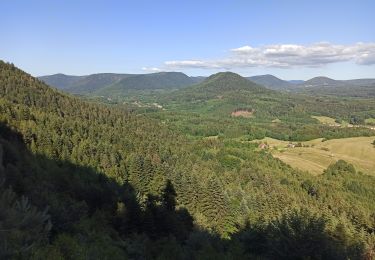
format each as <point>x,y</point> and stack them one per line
<point>243,113</point>
<point>316,156</point>
<point>325,120</point>
<point>370,121</point>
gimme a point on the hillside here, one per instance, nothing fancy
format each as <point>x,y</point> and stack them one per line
<point>322,86</point>
<point>220,85</point>
<point>328,82</point>
<point>82,84</point>
<point>94,82</point>
<point>153,81</point>
<point>271,82</point>
<point>321,81</point>
<point>112,84</point>
<point>228,81</point>
<point>61,81</point>
<point>353,91</point>
<point>75,167</point>
<point>361,82</point>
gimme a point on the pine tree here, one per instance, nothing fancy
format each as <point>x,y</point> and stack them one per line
<point>22,226</point>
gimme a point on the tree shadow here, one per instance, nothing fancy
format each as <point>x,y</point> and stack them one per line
<point>71,194</point>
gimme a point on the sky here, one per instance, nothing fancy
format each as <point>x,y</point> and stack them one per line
<point>289,39</point>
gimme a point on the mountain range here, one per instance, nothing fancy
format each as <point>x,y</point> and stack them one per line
<point>112,84</point>
<point>273,82</point>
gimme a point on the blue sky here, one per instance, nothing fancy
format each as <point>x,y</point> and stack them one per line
<point>290,39</point>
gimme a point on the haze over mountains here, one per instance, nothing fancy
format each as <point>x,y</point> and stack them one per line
<point>106,84</point>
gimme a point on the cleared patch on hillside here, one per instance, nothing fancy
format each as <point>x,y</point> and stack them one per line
<point>369,123</point>
<point>246,113</point>
<point>315,156</point>
<point>326,120</point>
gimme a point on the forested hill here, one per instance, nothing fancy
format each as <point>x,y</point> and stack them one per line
<point>222,82</point>
<point>102,173</point>
<point>61,81</point>
<point>271,82</point>
<point>153,81</point>
<point>65,127</point>
<point>86,181</point>
<point>219,85</point>
<point>323,86</point>
<point>111,84</point>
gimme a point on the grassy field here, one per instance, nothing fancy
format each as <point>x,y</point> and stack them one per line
<point>316,155</point>
<point>325,120</point>
<point>370,121</point>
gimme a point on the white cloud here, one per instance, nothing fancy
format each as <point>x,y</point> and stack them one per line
<point>244,49</point>
<point>285,56</point>
<point>151,69</point>
<point>186,63</point>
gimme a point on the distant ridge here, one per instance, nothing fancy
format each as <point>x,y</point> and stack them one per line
<point>271,82</point>
<point>82,84</point>
<point>321,81</point>
<point>112,83</point>
<point>153,81</point>
<point>61,81</point>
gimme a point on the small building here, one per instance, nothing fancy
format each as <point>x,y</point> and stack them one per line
<point>291,145</point>
<point>263,146</point>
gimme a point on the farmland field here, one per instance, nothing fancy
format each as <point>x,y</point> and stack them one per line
<point>315,156</point>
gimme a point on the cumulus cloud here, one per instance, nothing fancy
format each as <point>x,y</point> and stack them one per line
<point>285,56</point>
<point>151,69</point>
<point>366,59</point>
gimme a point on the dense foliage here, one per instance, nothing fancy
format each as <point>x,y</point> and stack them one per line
<point>206,110</point>
<point>88,181</point>
<point>362,91</point>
